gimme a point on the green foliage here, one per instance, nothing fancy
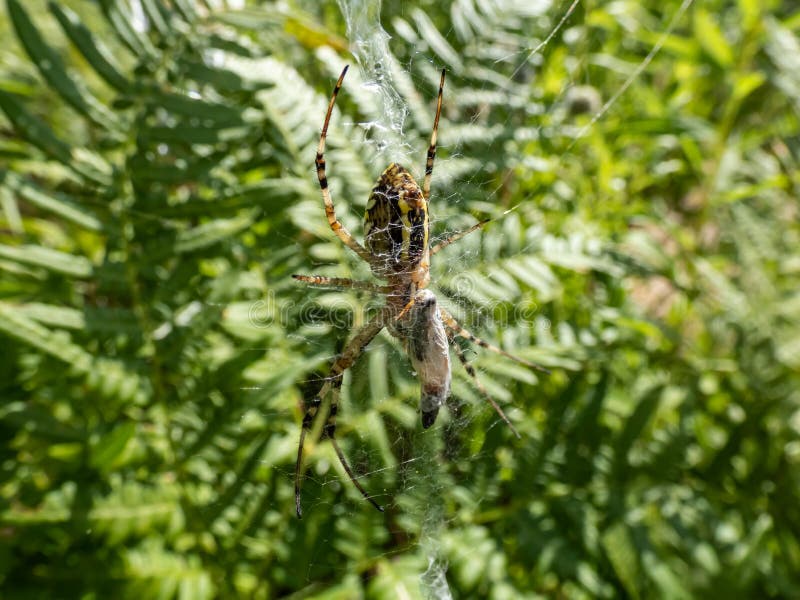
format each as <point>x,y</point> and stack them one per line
<point>157,191</point>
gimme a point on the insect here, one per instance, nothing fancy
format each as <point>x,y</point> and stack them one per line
<point>397,249</point>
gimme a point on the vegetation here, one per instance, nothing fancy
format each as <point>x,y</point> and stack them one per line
<point>157,191</point>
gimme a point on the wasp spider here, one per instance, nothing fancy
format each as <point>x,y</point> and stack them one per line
<point>396,247</point>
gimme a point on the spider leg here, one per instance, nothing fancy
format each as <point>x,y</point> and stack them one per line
<point>351,475</point>
<point>458,330</point>
<point>333,384</point>
<point>339,282</point>
<point>426,183</point>
<point>336,226</point>
<point>406,308</point>
<point>454,237</point>
<point>471,372</point>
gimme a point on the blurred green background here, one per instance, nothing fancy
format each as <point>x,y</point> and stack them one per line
<point>157,191</point>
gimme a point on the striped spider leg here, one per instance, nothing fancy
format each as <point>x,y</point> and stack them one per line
<point>343,283</point>
<point>332,385</point>
<point>458,330</point>
<point>477,382</point>
<point>330,213</point>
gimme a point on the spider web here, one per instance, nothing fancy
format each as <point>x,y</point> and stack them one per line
<point>386,135</point>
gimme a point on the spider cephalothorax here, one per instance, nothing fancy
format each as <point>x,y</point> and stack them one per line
<point>396,247</point>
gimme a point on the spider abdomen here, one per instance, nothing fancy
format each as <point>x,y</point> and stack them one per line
<point>396,222</point>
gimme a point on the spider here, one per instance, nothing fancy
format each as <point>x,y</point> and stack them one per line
<point>396,247</point>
